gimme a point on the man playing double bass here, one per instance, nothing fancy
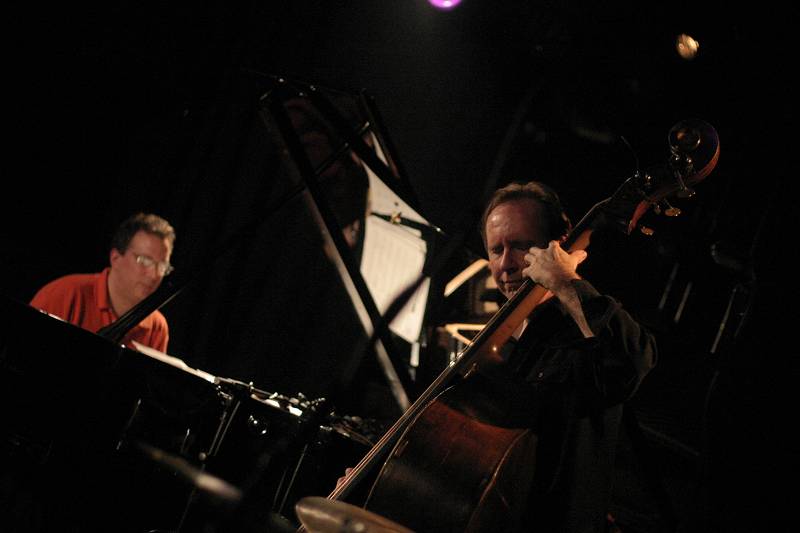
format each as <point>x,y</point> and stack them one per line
<point>580,353</point>
<point>564,375</point>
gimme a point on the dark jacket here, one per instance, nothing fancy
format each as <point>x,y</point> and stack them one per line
<point>579,386</point>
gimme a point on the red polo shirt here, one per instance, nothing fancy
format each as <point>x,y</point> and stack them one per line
<point>82,299</point>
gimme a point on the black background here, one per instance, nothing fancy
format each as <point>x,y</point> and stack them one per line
<point>135,106</point>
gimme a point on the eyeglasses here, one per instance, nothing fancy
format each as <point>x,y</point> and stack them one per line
<point>164,268</point>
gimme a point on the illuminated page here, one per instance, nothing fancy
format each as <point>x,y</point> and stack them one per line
<point>392,259</point>
<point>393,256</point>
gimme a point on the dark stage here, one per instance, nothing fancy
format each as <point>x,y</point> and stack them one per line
<point>164,107</point>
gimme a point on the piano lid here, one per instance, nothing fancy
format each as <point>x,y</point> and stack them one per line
<point>59,382</point>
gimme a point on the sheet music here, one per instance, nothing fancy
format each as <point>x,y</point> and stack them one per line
<point>172,361</point>
<point>393,257</point>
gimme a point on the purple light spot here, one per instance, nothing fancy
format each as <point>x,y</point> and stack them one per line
<point>444,5</point>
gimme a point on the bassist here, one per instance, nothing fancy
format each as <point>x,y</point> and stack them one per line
<point>580,353</point>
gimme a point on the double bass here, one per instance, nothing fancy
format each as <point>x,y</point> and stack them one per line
<point>459,458</point>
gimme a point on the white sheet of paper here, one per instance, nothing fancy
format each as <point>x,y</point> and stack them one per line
<point>393,257</point>
<point>173,361</point>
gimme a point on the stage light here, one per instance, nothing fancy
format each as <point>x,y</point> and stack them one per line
<point>686,45</point>
<point>444,5</point>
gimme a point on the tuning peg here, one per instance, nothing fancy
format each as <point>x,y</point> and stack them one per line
<point>682,164</point>
<point>667,208</point>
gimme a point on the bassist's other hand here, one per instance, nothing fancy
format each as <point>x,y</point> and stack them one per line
<point>344,477</point>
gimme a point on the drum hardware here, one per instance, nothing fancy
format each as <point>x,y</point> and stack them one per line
<point>230,405</point>
<point>284,490</point>
<point>262,446</point>
<point>243,448</point>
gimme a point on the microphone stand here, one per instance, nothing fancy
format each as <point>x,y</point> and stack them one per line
<point>380,323</point>
<point>338,251</point>
<point>247,517</point>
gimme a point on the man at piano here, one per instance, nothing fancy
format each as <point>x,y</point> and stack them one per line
<point>138,262</point>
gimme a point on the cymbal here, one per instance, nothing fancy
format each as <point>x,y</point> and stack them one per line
<point>220,490</point>
<point>321,515</point>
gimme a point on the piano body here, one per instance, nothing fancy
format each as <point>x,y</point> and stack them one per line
<point>98,436</point>
<point>73,405</point>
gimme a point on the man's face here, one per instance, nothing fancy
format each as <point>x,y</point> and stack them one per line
<point>138,278</point>
<point>511,229</point>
